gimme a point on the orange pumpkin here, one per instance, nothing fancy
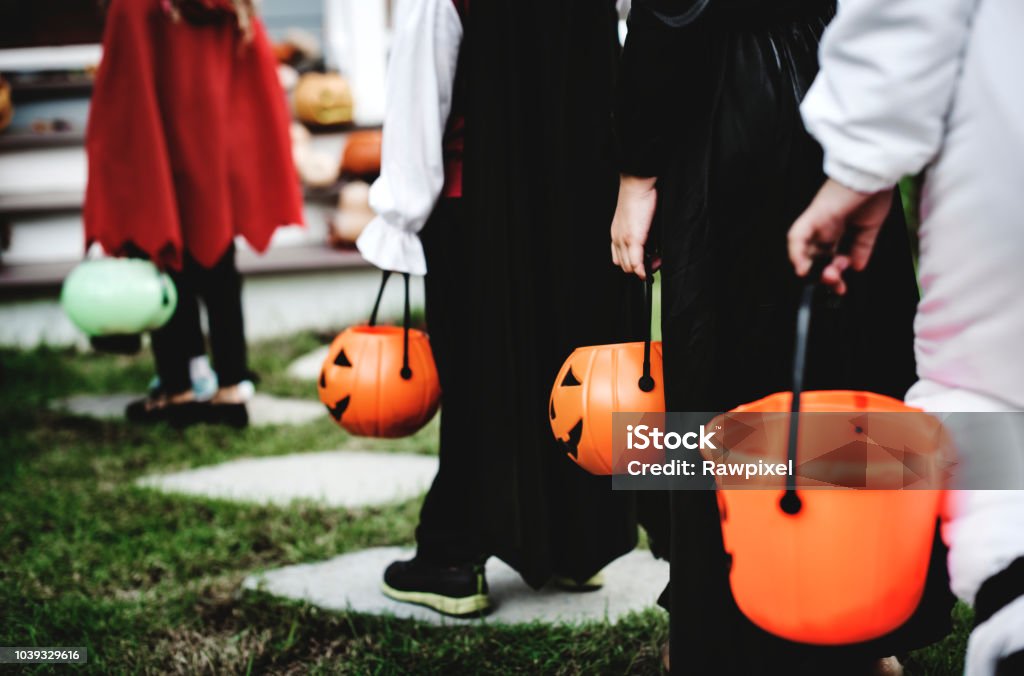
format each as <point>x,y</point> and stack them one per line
<point>849,565</point>
<point>364,387</point>
<point>6,107</point>
<point>323,99</point>
<point>380,381</point>
<point>361,156</point>
<point>594,383</point>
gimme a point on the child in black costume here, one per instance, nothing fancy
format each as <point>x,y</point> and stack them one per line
<point>713,151</point>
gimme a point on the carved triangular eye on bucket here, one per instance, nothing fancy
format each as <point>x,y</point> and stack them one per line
<point>570,380</point>
<point>338,409</point>
<point>342,359</point>
<point>572,442</point>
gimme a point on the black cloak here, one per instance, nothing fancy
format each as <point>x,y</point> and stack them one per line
<point>537,79</point>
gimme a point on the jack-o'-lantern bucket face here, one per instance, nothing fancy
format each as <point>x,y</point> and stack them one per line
<point>594,383</point>
<point>370,391</point>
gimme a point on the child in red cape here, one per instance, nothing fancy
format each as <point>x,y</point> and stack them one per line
<point>188,147</point>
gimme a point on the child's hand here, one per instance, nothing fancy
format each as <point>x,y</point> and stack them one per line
<point>840,221</point>
<point>632,223</point>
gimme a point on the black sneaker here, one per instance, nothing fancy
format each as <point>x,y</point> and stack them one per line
<point>155,409</point>
<point>459,591</point>
<point>232,415</point>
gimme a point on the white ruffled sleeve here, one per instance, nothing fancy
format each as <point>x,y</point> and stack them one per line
<point>421,77</point>
<point>889,69</point>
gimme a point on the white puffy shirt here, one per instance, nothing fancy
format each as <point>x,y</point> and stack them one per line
<point>421,77</point>
<point>421,81</point>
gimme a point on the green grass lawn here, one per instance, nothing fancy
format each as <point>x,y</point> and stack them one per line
<point>151,582</point>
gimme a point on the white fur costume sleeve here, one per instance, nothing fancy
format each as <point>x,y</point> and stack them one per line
<point>889,71</point>
<point>421,76</point>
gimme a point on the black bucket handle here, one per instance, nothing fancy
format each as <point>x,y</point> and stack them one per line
<point>646,382</point>
<point>406,372</point>
<point>790,503</point>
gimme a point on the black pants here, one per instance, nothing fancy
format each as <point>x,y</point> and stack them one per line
<point>181,338</point>
<point>449,531</point>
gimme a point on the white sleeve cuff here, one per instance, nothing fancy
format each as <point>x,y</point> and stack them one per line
<point>392,248</point>
<point>854,178</point>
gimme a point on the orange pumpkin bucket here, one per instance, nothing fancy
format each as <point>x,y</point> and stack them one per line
<point>594,383</point>
<point>835,565</point>
<point>597,381</point>
<point>380,381</point>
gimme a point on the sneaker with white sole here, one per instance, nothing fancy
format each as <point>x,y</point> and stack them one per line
<point>459,591</point>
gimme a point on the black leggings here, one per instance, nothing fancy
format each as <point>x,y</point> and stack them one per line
<point>181,338</point>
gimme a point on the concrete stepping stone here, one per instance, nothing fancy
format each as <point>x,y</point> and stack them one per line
<point>334,478</point>
<point>307,367</point>
<point>263,408</point>
<point>351,582</point>
<point>267,410</point>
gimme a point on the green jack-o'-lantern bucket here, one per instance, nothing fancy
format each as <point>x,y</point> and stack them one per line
<point>118,296</point>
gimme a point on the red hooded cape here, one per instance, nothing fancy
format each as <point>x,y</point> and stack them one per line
<point>188,139</point>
